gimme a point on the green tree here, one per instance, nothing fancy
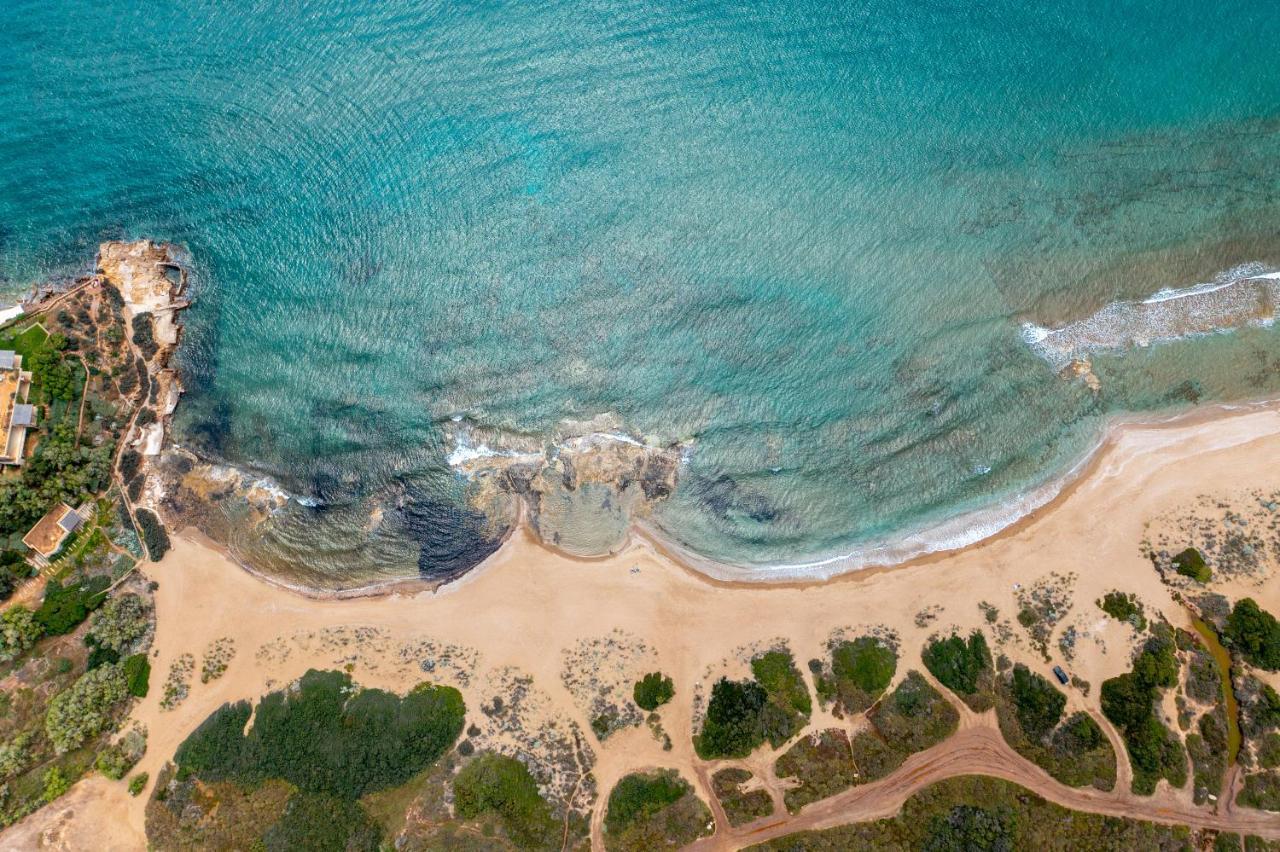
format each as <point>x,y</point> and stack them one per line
<point>19,630</point>
<point>1256,633</point>
<point>84,710</point>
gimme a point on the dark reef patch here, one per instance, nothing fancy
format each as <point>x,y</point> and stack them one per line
<point>451,540</point>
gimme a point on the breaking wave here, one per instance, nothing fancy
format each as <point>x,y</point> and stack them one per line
<point>1243,296</point>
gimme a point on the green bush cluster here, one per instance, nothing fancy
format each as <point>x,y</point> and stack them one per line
<point>742,715</point>
<point>144,335</point>
<point>1124,607</point>
<point>1075,751</point>
<point>51,371</point>
<point>653,690</point>
<point>327,736</point>
<point>14,568</point>
<point>962,666</point>
<point>64,607</point>
<point>19,630</point>
<point>656,810</point>
<point>85,709</point>
<point>153,534</point>
<point>1190,563</point>
<point>1038,703</point>
<point>914,717</point>
<point>137,672</point>
<point>138,783</point>
<point>1255,633</point>
<point>496,784</point>
<point>739,806</point>
<point>115,761</point>
<point>120,622</point>
<point>860,671</point>
<point>323,823</point>
<point>1128,700</point>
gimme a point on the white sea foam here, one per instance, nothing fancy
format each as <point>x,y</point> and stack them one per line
<point>1243,296</point>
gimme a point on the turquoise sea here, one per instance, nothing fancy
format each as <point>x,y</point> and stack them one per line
<point>801,236</point>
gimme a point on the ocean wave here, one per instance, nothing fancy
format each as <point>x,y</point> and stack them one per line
<point>1243,296</point>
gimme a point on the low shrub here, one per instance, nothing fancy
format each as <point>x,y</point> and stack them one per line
<point>1190,563</point>
<point>653,690</point>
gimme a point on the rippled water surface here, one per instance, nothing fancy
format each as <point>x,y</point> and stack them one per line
<point>803,237</point>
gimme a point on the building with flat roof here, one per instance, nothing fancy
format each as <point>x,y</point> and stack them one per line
<point>51,531</point>
<point>16,416</point>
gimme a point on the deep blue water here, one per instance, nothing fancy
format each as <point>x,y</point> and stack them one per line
<point>802,235</point>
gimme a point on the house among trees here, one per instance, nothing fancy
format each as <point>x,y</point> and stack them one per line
<point>49,533</point>
<point>16,416</point>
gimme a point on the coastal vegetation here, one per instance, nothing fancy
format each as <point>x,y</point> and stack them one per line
<point>654,810</point>
<point>742,715</point>
<point>1124,607</point>
<point>1255,633</point>
<point>857,675</point>
<point>1129,702</point>
<point>327,736</point>
<point>1075,751</point>
<point>495,784</point>
<point>1190,563</point>
<point>316,748</point>
<point>740,805</point>
<point>914,717</point>
<point>653,690</point>
<point>153,534</point>
<point>963,666</point>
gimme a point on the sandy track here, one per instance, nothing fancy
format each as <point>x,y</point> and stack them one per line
<point>980,750</point>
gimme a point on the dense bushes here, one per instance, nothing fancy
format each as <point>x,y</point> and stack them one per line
<point>653,811</point>
<point>860,670</point>
<point>119,623</point>
<point>494,783</point>
<point>1129,702</point>
<point>733,727</point>
<point>1038,703</point>
<point>64,607</point>
<point>137,672</point>
<point>324,739</point>
<point>1255,633</point>
<point>144,335</point>
<point>19,630</point>
<point>84,710</point>
<point>1076,752</point>
<point>320,823</point>
<point>741,715</point>
<point>653,690</point>
<point>963,667</point>
<point>153,534</point>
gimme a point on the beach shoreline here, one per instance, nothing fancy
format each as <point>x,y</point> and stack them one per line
<point>962,533</point>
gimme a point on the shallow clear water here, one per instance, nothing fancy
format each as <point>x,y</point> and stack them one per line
<point>801,235</point>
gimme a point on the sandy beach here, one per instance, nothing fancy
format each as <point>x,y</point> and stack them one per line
<point>526,609</point>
